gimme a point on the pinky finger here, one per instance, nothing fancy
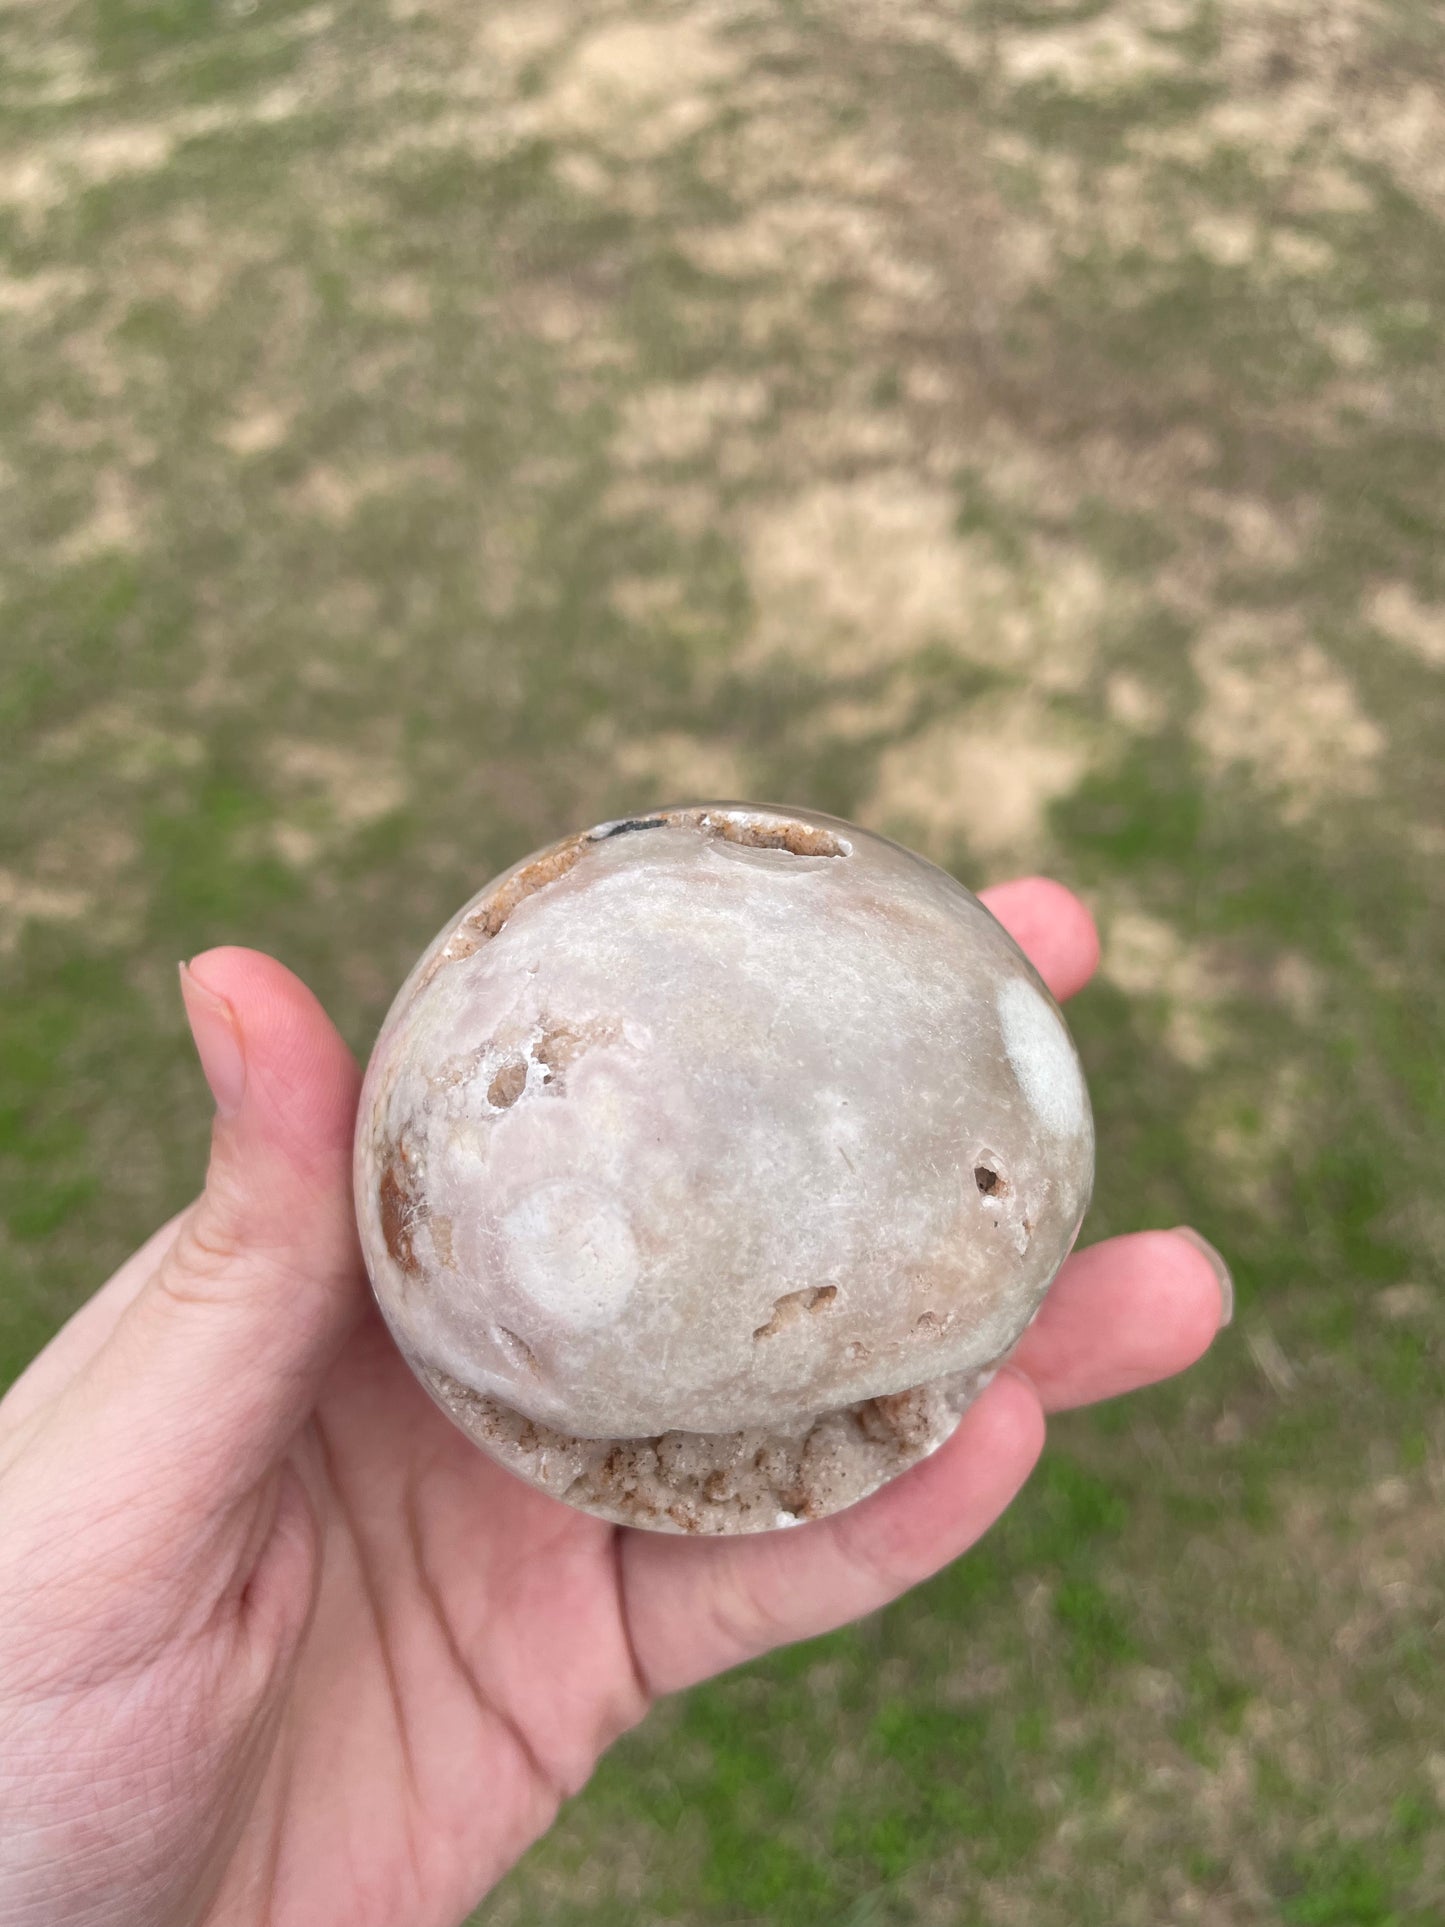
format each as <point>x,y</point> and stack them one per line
<point>696,1607</point>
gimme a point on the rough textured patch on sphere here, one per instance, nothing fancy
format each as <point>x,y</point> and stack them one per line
<point>709,1161</point>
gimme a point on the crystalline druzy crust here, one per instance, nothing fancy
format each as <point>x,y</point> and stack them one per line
<point>709,1161</point>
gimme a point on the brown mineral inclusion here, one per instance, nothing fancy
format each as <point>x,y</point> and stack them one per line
<point>709,1161</point>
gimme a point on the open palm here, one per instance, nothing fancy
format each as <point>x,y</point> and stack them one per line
<point>278,1644</point>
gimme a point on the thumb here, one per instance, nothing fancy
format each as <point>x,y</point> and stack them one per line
<point>218,1359</point>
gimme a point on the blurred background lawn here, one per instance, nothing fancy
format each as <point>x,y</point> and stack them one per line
<point>1017,425</point>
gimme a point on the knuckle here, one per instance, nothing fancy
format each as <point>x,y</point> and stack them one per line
<point>205,1253</point>
<point>746,1620</point>
<point>879,1567</point>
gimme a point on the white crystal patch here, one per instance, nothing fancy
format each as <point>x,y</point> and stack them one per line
<point>571,1251</point>
<point>1042,1056</point>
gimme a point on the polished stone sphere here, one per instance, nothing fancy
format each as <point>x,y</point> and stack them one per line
<point>709,1162</point>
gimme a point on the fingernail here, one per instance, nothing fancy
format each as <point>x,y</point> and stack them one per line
<point>218,1042</point>
<point>1221,1271</point>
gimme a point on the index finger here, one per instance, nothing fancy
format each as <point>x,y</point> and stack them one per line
<point>1051,926</point>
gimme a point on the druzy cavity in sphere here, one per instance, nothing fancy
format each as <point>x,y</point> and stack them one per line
<point>709,1162</point>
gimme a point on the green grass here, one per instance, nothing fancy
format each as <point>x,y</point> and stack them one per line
<point>377,502</point>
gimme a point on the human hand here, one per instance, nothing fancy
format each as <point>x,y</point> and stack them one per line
<point>278,1644</point>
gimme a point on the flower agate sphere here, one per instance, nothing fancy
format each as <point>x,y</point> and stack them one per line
<point>709,1162</point>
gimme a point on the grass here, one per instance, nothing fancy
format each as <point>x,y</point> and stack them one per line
<point>423,432</point>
